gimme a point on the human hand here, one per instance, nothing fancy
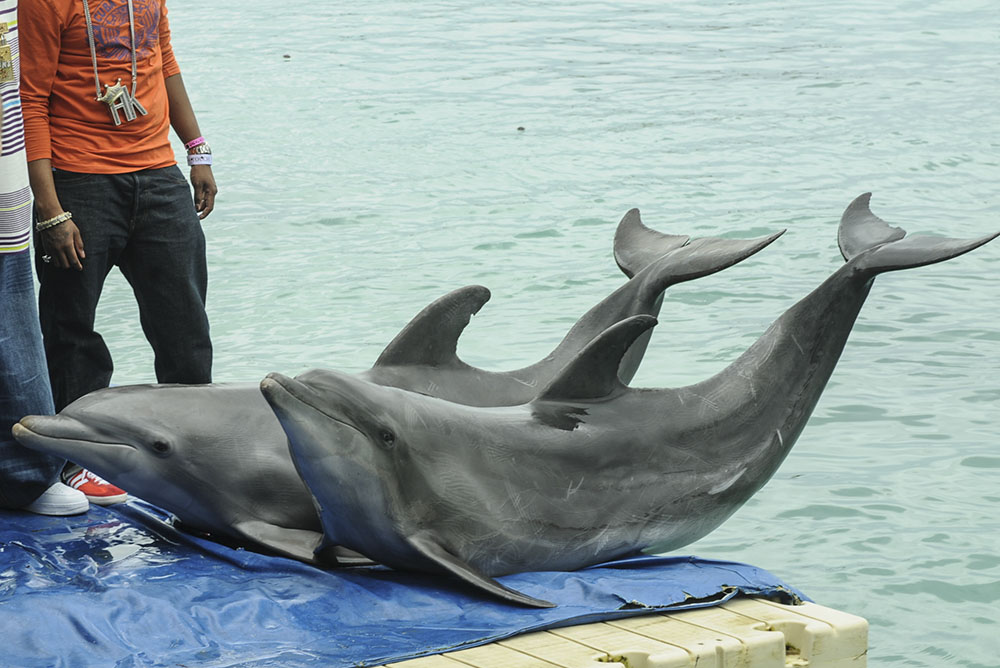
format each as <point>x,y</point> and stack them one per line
<point>204,189</point>
<point>64,245</point>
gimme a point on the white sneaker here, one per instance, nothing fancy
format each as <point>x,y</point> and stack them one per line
<point>59,500</point>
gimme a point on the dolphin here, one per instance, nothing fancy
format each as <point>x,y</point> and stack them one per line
<point>423,358</point>
<point>589,469</point>
<point>216,456</point>
<point>213,455</point>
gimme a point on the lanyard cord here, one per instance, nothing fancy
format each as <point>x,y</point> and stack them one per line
<point>93,51</point>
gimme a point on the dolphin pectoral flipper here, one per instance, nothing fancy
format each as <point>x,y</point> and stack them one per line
<point>299,544</point>
<point>425,543</point>
<point>338,555</point>
<point>877,247</point>
<point>431,337</point>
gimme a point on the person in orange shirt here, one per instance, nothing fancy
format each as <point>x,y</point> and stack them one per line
<point>100,91</point>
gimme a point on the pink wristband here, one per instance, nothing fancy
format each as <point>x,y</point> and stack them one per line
<point>197,141</point>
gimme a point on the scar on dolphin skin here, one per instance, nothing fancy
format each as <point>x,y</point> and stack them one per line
<point>643,481</point>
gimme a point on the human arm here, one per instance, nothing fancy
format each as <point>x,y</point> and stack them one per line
<point>62,242</point>
<point>183,120</point>
<point>40,29</point>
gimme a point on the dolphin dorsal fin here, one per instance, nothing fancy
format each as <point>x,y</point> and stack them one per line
<point>636,246</point>
<point>593,372</point>
<point>431,338</point>
<point>426,544</point>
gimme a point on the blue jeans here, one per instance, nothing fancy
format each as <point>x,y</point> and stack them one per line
<point>145,224</point>
<point>24,384</point>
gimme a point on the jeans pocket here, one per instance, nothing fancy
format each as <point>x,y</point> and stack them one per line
<point>174,175</point>
<point>64,178</point>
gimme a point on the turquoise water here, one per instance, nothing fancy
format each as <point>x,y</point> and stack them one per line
<point>370,160</point>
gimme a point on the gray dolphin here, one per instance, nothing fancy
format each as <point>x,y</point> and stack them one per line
<point>423,358</point>
<point>216,457</point>
<point>213,455</point>
<point>590,469</point>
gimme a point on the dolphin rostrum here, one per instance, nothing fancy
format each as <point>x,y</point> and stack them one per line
<point>216,457</point>
<point>589,469</point>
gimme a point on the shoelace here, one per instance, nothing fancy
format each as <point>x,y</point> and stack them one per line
<point>80,479</point>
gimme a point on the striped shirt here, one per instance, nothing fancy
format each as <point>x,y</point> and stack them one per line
<point>15,195</point>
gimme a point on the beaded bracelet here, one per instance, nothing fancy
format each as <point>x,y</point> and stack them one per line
<point>52,222</point>
<point>197,141</point>
<point>199,159</point>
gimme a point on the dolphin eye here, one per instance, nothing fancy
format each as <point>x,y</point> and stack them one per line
<point>388,438</point>
<point>161,447</point>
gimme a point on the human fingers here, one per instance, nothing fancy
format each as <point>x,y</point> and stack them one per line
<point>64,244</point>
<point>204,189</point>
<point>207,203</point>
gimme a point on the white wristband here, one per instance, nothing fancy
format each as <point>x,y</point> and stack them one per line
<point>199,159</point>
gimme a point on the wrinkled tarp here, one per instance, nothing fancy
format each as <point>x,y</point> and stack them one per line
<point>121,586</point>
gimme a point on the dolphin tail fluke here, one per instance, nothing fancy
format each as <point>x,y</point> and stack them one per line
<point>425,543</point>
<point>877,247</point>
<point>702,257</point>
<point>636,246</point>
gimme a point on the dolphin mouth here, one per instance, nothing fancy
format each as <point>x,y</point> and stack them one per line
<point>32,432</point>
<point>277,387</point>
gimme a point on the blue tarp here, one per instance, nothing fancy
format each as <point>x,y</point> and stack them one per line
<point>121,586</point>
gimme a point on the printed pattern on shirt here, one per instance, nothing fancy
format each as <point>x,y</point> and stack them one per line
<point>112,39</point>
<point>13,125</point>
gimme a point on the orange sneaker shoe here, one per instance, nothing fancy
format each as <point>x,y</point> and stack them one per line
<point>96,489</point>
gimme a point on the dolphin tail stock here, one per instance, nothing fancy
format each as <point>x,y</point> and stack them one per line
<point>694,259</point>
<point>874,247</point>
<point>425,543</point>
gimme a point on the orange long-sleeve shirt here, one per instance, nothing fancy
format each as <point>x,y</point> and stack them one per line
<point>63,120</point>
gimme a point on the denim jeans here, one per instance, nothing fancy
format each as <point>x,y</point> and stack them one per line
<point>145,224</point>
<point>24,384</point>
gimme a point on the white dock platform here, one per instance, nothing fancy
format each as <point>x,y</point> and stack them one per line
<point>741,633</point>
